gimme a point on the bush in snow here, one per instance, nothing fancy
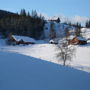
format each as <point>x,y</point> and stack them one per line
<point>65,51</point>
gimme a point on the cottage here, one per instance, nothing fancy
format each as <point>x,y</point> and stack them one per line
<point>11,40</point>
<point>16,40</point>
<point>77,41</point>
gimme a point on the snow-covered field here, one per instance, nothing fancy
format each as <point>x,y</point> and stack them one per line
<point>47,52</point>
<point>82,58</point>
<point>20,72</point>
<point>29,67</point>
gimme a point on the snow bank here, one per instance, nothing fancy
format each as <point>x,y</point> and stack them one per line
<point>47,52</point>
<point>2,42</point>
<point>19,72</point>
<point>82,58</point>
<point>86,32</point>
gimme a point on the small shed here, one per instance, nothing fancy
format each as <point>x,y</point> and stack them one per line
<point>77,41</point>
<point>53,42</point>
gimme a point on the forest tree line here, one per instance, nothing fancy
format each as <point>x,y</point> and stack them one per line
<point>24,23</point>
<point>88,24</point>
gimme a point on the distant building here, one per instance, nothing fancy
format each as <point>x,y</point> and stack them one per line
<point>55,20</point>
<point>77,41</point>
<point>11,40</point>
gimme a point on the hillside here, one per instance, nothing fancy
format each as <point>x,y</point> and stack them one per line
<point>36,66</point>
<point>32,67</point>
<point>45,51</point>
<point>19,72</point>
<point>32,25</point>
<point>59,29</point>
<point>24,23</point>
<point>4,14</point>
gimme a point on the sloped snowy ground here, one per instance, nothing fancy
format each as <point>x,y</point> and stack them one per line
<point>29,68</point>
<point>47,52</point>
<point>82,58</point>
<point>19,72</point>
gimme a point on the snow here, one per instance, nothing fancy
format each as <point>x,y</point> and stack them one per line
<point>59,28</point>
<point>27,39</point>
<point>81,38</point>
<point>36,67</point>
<point>86,32</point>
<point>47,52</point>
<point>42,51</point>
<point>19,72</point>
<point>2,42</point>
<point>82,58</point>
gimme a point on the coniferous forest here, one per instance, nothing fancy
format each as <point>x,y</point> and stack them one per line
<point>24,23</point>
<point>88,24</point>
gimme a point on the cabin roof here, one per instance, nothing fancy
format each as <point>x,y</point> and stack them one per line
<point>27,39</point>
<point>79,38</point>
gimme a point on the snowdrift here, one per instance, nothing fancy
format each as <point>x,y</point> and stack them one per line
<point>19,72</point>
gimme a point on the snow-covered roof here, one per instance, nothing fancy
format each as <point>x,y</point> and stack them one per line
<point>81,38</point>
<point>25,38</point>
<point>71,37</point>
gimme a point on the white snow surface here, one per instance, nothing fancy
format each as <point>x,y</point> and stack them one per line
<point>59,29</point>
<point>19,72</point>
<point>29,67</point>
<point>27,39</point>
<point>45,51</point>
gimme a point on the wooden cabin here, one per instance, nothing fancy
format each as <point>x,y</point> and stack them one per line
<point>77,41</point>
<point>13,41</point>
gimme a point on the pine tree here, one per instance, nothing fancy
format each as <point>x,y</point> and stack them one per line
<point>78,32</point>
<point>23,12</point>
<point>22,24</point>
<point>34,14</point>
<point>58,20</point>
<point>88,24</point>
